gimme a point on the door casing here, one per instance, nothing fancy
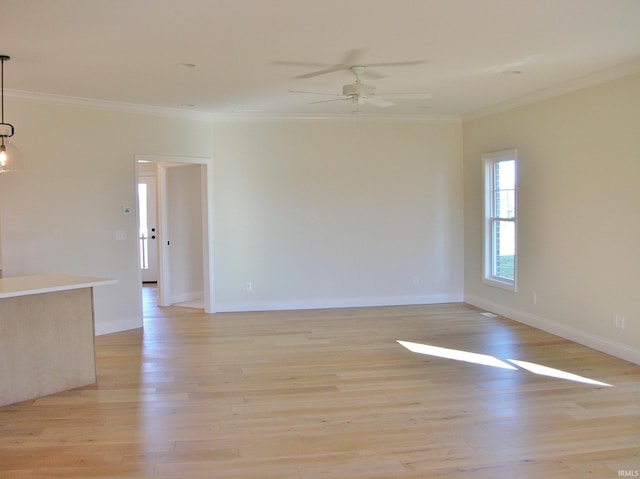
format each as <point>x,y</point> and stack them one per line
<point>206,176</point>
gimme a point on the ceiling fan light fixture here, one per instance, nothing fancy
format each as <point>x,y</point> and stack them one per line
<point>358,89</point>
<point>10,155</point>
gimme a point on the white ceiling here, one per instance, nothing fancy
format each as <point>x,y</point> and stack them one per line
<point>129,51</point>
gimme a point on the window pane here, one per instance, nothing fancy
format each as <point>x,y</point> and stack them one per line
<point>506,175</point>
<point>504,241</point>
<point>504,189</point>
<point>143,234</point>
<point>505,204</point>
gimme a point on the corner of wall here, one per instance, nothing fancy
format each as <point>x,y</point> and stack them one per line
<point>116,326</point>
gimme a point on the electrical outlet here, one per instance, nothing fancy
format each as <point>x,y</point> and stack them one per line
<point>619,321</point>
<point>248,286</point>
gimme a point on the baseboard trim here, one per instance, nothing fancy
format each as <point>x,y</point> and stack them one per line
<point>108,327</point>
<point>329,303</point>
<point>604,345</point>
<point>184,297</point>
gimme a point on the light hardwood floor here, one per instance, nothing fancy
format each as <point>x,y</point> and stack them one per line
<point>331,394</point>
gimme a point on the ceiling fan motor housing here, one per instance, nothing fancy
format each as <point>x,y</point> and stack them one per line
<point>358,89</point>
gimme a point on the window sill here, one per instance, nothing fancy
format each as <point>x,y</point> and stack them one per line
<point>502,284</point>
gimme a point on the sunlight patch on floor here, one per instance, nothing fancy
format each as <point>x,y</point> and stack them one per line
<point>456,354</point>
<point>488,360</point>
<point>555,373</point>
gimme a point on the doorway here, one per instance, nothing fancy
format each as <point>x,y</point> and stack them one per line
<point>172,270</point>
<point>148,221</point>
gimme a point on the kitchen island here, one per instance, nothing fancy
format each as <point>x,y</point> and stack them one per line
<point>46,335</point>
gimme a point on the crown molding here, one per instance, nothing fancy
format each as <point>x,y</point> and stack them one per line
<point>123,107</point>
<point>602,76</point>
<point>335,117</point>
<point>106,105</point>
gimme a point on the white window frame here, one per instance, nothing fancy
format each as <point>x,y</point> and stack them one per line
<point>489,160</point>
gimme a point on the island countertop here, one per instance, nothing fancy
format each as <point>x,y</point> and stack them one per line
<point>11,287</point>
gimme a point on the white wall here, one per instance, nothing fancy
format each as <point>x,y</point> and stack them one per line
<point>313,214</point>
<point>329,214</point>
<point>578,221</point>
<point>61,214</point>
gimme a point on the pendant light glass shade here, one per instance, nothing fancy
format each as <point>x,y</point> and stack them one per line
<point>10,157</point>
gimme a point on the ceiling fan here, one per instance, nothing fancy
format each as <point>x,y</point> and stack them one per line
<point>351,58</point>
<point>360,93</point>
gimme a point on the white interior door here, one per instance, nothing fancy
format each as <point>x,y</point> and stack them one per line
<point>148,234</point>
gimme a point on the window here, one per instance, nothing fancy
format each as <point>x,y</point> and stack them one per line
<point>500,219</point>
<point>144,228</point>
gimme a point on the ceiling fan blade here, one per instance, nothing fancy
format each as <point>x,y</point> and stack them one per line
<point>405,95</point>
<point>300,64</point>
<point>349,60</point>
<point>327,101</point>
<point>314,93</point>
<point>396,64</point>
<point>374,75</point>
<point>320,72</point>
<point>379,102</point>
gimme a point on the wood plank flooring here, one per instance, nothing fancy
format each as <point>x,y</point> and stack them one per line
<point>331,394</point>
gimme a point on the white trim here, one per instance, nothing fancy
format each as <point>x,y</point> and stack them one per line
<point>186,160</point>
<point>333,117</point>
<point>123,107</point>
<point>208,266</point>
<point>164,264</point>
<point>108,327</point>
<point>619,350</point>
<point>489,160</point>
<point>327,303</point>
<point>602,76</point>
<point>190,296</point>
<point>106,105</point>
<point>496,283</point>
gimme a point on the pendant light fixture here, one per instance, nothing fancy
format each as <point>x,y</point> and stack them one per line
<point>10,156</point>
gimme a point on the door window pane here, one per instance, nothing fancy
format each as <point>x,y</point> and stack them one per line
<point>143,234</point>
